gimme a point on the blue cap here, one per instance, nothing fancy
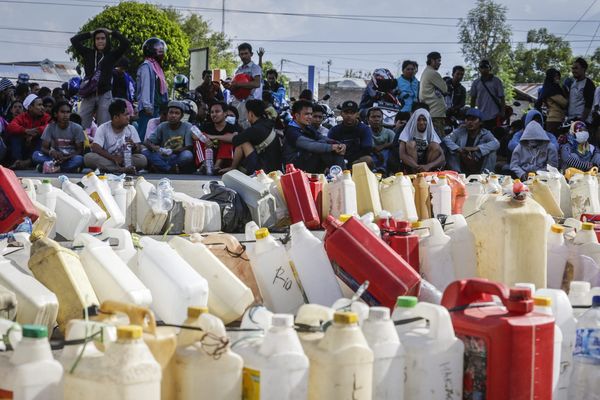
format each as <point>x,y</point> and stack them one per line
<point>474,112</point>
<point>596,301</point>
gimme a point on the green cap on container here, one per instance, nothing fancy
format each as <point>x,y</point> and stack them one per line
<point>406,301</point>
<point>35,331</point>
<point>46,180</point>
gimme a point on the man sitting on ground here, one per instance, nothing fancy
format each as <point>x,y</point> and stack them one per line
<point>317,119</point>
<point>383,138</point>
<point>420,149</point>
<point>357,136</point>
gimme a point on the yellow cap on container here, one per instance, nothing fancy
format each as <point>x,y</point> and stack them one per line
<point>557,228</point>
<point>442,176</point>
<point>587,226</point>
<point>261,233</point>
<point>415,224</point>
<point>195,312</point>
<point>542,301</point>
<point>36,235</point>
<point>90,174</point>
<point>103,177</point>
<point>531,174</point>
<point>345,217</point>
<point>129,332</point>
<point>345,317</point>
<point>347,172</point>
<point>517,181</point>
<point>399,174</point>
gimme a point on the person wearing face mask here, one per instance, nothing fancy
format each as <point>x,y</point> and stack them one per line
<point>533,153</point>
<point>420,149</point>
<point>221,128</point>
<point>577,152</point>
<point>232,117</point>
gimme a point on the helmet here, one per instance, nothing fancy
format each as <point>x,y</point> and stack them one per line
<point>23,78</point>
<point>73,86</point>
<point>149,46</point>
<point>180,81</point>
<point>381,74</point>
<point>190,110</point>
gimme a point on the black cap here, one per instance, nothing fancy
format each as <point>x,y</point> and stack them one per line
<point>485,64</point>
<point>350,106</point>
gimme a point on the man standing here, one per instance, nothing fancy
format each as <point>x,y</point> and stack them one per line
<point>432,91</point>
<point>357,136</point>
<point>471,148</point>
<point>170,148</point>
<point>111,140</point>
<point>581,92</point>
<point>306,148</point>
<point>383,138</point>
<point>254,72</point>
<point>457,97</point>
<point>487,93</point>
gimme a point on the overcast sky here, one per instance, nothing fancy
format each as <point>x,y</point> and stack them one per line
<point>16,45</point>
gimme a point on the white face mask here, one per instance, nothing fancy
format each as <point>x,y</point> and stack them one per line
<point>582,136</point>
<point>230,119</point>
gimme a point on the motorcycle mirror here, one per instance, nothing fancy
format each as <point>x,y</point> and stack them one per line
<point>326,97</point>
<point>516,104</point>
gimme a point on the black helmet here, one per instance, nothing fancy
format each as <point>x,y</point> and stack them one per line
<point>180,81</point>
<point>149,46</point>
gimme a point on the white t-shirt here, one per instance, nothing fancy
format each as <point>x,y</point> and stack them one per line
<point>252,70</point>
<point>113,142</point>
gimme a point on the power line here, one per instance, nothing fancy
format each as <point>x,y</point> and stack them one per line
<point>590,45</point>
<point>580,18</point>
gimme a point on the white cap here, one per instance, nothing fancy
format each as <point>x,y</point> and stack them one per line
<point>579,286</point>
<point>282,320</point>
<point>379,313</point>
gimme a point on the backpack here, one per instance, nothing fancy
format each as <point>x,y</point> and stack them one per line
<point>234,212</point>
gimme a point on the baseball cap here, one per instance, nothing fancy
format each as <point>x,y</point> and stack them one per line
<point>485,64</point>
<point>473,112</point>
<point>350,105</point>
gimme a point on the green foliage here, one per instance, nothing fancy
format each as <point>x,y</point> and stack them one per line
<point>544,50</point>
<point>593,71</point>
<point>138,22</point>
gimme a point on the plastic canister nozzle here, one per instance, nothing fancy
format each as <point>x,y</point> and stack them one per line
<point>195,312</point>
<point>289,168</point>
<point>406,301</point>
<point>543,301</point>
<point>129,332</point>
<point>94,230</point>
<point>38,331</point>
<point>261,233</point>
<point>596,301</point>
<point>587,226</point>
<point>557,228</point>
<point>345,318</point>
<point>282,320</point>
<point>380,313</point>
<point>519,300</point>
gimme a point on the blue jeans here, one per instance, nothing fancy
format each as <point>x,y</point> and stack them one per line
<point>143,119</point>
<point>70,165</point>
<point>185,160</point>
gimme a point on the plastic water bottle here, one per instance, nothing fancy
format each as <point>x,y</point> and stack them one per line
<point>585,381</point>
<point>127,156</point>
<point>165,194</point>
<point>208,154</point>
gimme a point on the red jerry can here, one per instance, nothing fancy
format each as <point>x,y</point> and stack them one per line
<point>299,199</point>
<point>400,237</point>
<point>508,348</point>
<point>362,256</point>
<point>316,189</point>
<point>15,205</point>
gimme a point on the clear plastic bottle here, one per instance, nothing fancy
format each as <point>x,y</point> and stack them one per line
<point>127,161</point>
<point>164,192</point>
<point>208,160</point>
<point>585,381</point>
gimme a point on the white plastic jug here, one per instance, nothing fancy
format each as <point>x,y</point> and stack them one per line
<point>434,357</point>
<point>542,193</point>
<point>121,243</point>
<point>403,317</point>
<point>558,253</point>
<point>79,194</point>
<point>275,367</point>
<point>584,195</point>
<point>149,221</point>
<point>462,243</point>
<point>354,304</point>
<point>174,284</point>
<point>29,187</point>
<point>341,365</point>
<point>212,216</point>
<point>130,204</point>
<point>127,370</point>
<point>397,197</point>
<point>543,305</point>
<point>435,255</point>
<point>552,178</point>
<point>389,362</point>
<point>99,334</point>
<point>493,185</point>
<point>31,373</point>
<point>229,297</point>
<point>256,196</point>
<point>313,315</point>
<point>476,195</point>
<point>100,193</point>
<point>274,274</point>
<point>441,197</point>
<point>580,297</point>
<point>108,273</point>
<point>367,189</point>
<point>271,181</point>
<point>11,333</point>
<point>192,210</point>
<point>313,267</point>
<point>119,194</point>
<point>342,195</point>
<point>46,221</point>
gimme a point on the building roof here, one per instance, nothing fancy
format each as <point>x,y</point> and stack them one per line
<point>46,72</point>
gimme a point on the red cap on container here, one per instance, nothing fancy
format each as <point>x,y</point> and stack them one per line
<point>331,224</point>
<point>289,168</point>
<point>520,301</point>
<point>95,229</point>
<point>403,226</point>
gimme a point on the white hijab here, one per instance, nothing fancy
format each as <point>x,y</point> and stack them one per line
<point>409,131</point>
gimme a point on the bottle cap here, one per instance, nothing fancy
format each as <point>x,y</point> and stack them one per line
<point>587,226</point>
<point>531,174</point>
<point>416,224</point>
<point>441,176</point>
<point>345,317</point>
<point>95,229</point>
<point>273,174</point>
<point>420,175</point>
<point>403,226</point>
<point>596,301</point>
<point>129,332</point>
<point>579,286</point>
<point>519,301</point>
<point>261,233</point>
<point>542,301</point>
<point>345,217</point>
<point>557,228</point>
<point>282,320</point>
<point>379,313</point>
<point>195,312</point>
<point>406,301</point>
<point>36,235</point>
<point>46,180</point>
<point>347,172</point>
<point>35,331</point>
<point>399,174</point>
<point>517,181</point>
<point>103,177</point>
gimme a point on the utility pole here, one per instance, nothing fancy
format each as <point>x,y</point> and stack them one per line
<point>328,67</point>
<point>223,18</point>
<point>280,66</point>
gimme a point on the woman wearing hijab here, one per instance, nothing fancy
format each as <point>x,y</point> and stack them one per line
<point>577,152</point>
<point>98,63</point>
<point>420,149</point>
<point>555,99</point>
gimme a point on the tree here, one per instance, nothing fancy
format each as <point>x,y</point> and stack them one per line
<point>545,51</point>
<point>139,22</point>
<point>593,71</point>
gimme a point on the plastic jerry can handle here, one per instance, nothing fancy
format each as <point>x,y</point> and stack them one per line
<point>465,292</point>
<point>123,238</point>
<point>440,324</point>
<point>140,316</point>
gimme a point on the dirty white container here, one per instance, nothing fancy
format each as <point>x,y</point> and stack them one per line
<point>100,192</point>
<point>29,186</point>
<point>46,194</point>
<point>313,315</point>
<point>341,364</point>
<point>127,370</point>
<point>130,204</point>
<point>403,311</point>
<point>119,194</point>
<point>11,333</point>
<point>149,221</point>
<point>367,189</point>
<point>441,197</point>
<point>493,185</point>
<point>584,195</point>
<point>274,274</point>
<point>389,362</point>
<point>229,297</point>
<point>462,243</point>
<point>272,181</point>
<point>109,275</point>
<point>342,195</point>
<point>32,373</point>
<point>186,216</point>
<point>558,253</point>
<point>174,284</point>
<point>313,267</point>
<point>542,193</point>
<point>434,357</point>
<point>398,198</point>
<point>8,304</point>
<point>543,305</point>
<point>100,335</point>
<point>435,256</point>
<point>79,194</point>
<point>580,297</point>
<point>256,196</point>
<point>212,216</point>
<point>275,367</point>
<point>46,221</point>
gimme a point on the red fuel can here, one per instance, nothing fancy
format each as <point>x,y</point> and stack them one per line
<point>15,205</point>
<point>299,198</point>
<point>400,237</point>
<point>362,256</point>
<point>316,189</point>
<point>508,348</point>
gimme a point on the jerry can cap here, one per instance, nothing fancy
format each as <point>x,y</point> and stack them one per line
<point>46,180</point>
<point>129,332</point>
<point>587,226</point>
<point>345,217</point>
<point>379,313</point>
<point>347,172</point>
<point>94,229</point>
<point>90,174</point>
<point>441,176</point>
<point>406,301</point>
<point>345,317</point>
<point>36,235</point>
<point>531,174</point>
<point>403,226</point>
<point>517,181</point>
<point>519,300</point>
<point>416,224</point>
<point>579,286</point>
<point>261,233</point>
<point>35,331</point>
<point>596,301</point>
<point>542,301</point>
<point>282,320</point>
<point>557,228</point>
<point>195,312</point>
<point>273,173</point>
<point>103,177</point>
<point>399,174</point>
